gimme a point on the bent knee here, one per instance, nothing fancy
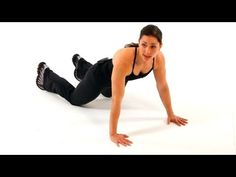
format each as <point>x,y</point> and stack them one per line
<point>75,103</point>
<point>106,92</point>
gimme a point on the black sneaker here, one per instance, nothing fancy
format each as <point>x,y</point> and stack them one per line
<point>75,61</point>
<point>81,66</point>
<point>40,78</point>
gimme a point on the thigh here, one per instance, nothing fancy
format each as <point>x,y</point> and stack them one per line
<point>87,90</point>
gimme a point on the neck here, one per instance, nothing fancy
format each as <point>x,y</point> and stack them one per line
<point>139,59</point>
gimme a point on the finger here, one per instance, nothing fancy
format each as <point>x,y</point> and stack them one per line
<point>124,138</point>
<point>180,121</point>
<point>186,120</point>
<point>183,118</point>
<point>130,142</point>
<point>123,143</point>
<point>124,135</point>
<point>126,142</point>
<point>177,122</point>
<point>183,121</point>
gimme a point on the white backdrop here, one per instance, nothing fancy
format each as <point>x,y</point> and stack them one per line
<point>200,61</point>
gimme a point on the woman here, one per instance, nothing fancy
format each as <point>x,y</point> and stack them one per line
<point>109,77</point>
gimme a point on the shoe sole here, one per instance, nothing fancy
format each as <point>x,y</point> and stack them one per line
<point>75,62</point>
<point>40,66</point>
<point>75,74</point>
<point>75,59</point>
<point>37,78</point>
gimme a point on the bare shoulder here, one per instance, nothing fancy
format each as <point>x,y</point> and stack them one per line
<point>123,55</point>
<point>123,59</point>
<point>159,60</point>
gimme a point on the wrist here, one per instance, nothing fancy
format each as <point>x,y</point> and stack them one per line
<point>113,133</point>
<point>170,114</point>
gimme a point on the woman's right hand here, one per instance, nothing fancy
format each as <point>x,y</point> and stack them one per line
<point>120,139</point>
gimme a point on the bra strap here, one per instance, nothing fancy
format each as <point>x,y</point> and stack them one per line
<point>135,52</point>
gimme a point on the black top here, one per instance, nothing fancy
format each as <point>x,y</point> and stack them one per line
<point>132,76</point>
<point>106,68</point>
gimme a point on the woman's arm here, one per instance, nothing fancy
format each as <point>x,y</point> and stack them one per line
<point>120,70</point>
<point>163,89</point>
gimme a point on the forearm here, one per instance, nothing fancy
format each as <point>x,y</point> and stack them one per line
<point>114,116</point>
<point>166,99</point>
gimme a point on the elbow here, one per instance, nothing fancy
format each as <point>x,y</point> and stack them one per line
<point>117,96</point>
<point>162,87</point>
<point>116,99</point>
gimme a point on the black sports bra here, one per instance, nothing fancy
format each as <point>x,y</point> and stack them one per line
<point>132,76</point>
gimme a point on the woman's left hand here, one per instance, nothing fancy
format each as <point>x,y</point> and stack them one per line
<point>177,120</point>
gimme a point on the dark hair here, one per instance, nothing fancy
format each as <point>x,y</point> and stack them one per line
<point>151,30</point>
<point>132,44</point>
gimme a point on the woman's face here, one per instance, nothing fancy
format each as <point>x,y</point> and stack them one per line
<point>148,47</point>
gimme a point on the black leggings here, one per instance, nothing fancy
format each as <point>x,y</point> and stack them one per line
<point>86,91</point>
<point>82,70</point>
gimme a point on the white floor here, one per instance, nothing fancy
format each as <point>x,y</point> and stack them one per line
<point>200,59</point>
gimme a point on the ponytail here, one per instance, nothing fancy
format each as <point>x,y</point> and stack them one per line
<point>132,44</point>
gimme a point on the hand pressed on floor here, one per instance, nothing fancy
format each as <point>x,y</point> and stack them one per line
<point>121,139</point>
<point>177,120</point>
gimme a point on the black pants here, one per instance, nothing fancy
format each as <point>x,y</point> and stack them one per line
<point>86,91</point>
<point>83,67</point>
